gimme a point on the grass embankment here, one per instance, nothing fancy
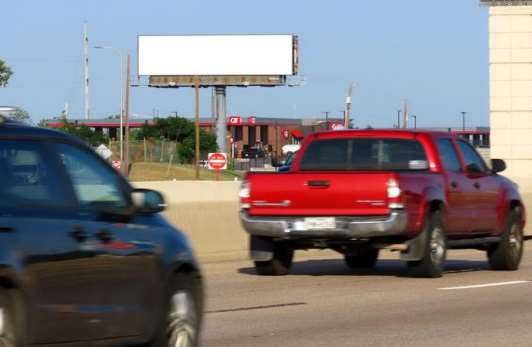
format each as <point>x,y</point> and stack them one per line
<point>145,171</point>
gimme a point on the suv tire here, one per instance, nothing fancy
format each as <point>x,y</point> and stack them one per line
<point>507,254</point>
<point>181,323</point>
<point>433,262</point>
<point>281,262</point>
<point>364,259</point>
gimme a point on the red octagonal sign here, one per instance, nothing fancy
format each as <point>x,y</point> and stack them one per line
<point>217,161</point>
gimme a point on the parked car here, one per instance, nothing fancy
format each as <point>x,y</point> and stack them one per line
<point>84,257</point>
<point>357,192</point>
<point>253,153</point>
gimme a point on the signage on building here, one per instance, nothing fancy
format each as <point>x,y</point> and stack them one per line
<point>235,120</point>
<point>252,120</point>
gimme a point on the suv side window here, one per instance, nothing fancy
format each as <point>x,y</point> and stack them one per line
<point>27,179</point>
<point>448,155</point>
<point>471,157</point>
<point>96,185</point>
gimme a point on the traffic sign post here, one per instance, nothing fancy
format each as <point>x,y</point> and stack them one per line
<point>217,162</point>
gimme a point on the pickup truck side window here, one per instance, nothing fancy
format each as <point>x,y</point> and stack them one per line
<point>448,155</point>
<point>473,160</point>
<point>364,154</point>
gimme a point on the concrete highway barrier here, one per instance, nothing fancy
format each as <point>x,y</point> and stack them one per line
<point>207,212</point>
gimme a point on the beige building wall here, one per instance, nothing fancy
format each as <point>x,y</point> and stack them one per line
<point>510,57</point>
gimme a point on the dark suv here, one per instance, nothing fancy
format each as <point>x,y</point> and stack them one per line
<point>85,259</point>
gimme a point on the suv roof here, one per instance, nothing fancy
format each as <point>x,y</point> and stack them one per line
<point>12,128</point>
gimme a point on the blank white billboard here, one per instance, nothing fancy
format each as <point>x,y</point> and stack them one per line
<point>215,55</point>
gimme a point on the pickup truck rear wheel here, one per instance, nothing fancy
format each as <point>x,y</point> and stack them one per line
<point>506,255</point>
<point>281,262</point>
<point>433,262</point>
<point>364,259</point>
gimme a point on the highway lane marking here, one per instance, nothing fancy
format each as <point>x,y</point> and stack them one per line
<point>257,307</point>
<point>485,285</point>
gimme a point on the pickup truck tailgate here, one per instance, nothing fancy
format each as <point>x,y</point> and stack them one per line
<point>319,194</point>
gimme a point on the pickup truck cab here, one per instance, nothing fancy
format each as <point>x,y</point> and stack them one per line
<point>360,191</point>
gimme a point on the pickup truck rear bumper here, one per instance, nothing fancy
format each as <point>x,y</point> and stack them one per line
<point>346,227</point>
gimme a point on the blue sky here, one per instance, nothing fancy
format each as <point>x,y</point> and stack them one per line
<point>433,53</point>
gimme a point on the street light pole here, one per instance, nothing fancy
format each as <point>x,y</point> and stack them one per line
<point>121,140</point>
<point>463,120</point>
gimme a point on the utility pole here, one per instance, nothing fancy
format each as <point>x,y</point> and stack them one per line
<point>463,120</point>
<point>86,62</point>
<point>326,119</point>
<point>125,170</point>
<point>197,149</point>
<point>398,119</point>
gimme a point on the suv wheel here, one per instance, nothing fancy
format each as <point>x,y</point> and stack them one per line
<point>506,255</point>
<point>435,253</point>
<point>181,326</point>
<point>364,259</point>
<point>281,262</point>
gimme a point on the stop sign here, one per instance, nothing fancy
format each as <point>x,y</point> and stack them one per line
<point>217,161</point>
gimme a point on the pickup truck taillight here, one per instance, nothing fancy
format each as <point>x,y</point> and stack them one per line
<point>395,195</point>
<point>245,194</point>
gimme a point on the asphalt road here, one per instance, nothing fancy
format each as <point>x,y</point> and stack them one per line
<point>323,303</point>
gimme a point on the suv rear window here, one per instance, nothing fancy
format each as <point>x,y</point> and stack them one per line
<point>364,154</point>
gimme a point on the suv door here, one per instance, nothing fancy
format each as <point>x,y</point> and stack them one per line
<point>483,187</point>
<point>41,232</point>
<point>129,280</point>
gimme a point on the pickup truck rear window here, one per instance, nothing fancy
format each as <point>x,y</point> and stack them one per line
<point>364,154</point>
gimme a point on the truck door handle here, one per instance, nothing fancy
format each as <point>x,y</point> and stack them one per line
<point>454,184</point>
<point>476,185</point>
<point>104,235</point>
<point>78,234</point>
<point>319,184</point>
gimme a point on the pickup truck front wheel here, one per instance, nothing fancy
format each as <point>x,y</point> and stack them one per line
<point>506,255</point>
<point>280,263</point>
<point>363,259</point>
<point>433,262</point>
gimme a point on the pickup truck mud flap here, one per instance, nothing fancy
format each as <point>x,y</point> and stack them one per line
<point>416,248</point>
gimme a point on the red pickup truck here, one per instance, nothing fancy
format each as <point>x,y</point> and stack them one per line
<point>360,191</point>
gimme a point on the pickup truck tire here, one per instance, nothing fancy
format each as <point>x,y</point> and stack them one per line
<point>11,319</point>
<point>506,255</point>
<point>365,259</point>
<point>281,262</point>
<point>433,262</point>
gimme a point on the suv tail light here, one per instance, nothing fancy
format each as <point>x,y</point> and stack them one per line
<point>395,195</point>
<point>245,194</point>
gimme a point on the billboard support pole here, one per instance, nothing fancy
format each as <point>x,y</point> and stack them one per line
<point>221,124</point>
<point>197,149</point>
